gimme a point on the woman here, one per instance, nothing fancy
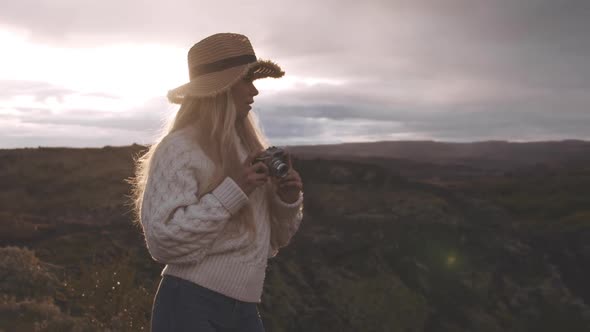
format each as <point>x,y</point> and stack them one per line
<point>209,211</point>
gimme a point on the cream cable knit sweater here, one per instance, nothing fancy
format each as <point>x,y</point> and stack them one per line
<point>187,234</point>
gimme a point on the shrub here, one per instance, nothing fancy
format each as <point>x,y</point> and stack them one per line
<point>22,275</point>
<point>40,315</point>
<point>109,295</point>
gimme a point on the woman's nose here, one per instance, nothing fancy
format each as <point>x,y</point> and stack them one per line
<point>253,90</point>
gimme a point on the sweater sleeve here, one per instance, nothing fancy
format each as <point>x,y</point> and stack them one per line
<point>179,227</point>
<point>289,216</point>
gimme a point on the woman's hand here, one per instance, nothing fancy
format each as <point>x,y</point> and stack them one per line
<point>252,175</point>
<point>289,187</point>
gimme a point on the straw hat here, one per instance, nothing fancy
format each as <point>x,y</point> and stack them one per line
<point>217,62</point>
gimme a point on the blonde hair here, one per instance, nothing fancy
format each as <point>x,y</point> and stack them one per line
<point>214,121</point>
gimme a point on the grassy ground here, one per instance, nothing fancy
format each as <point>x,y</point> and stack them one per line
<point>377,251</point>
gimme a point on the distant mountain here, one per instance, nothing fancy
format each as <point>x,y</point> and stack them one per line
<point>499,153</point>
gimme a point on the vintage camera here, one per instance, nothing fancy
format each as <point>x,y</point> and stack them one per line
<point>276,160</point>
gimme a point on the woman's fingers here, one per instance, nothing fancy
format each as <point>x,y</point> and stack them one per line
<point>260,168</point>
<point>293,183</point>
<point>250,159</point>
<point>282,183</point>
<point>292,175</point>
<point>259,174</point>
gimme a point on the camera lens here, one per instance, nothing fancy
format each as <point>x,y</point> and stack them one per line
<point>282,170</point>
<point>279,168</point>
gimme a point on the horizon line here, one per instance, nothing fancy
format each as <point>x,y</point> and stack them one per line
<point>328,144</point>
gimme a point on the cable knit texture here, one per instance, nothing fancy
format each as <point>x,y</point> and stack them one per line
<point>187,233</point>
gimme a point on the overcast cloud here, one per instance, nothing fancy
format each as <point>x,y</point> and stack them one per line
<point>453,70</point>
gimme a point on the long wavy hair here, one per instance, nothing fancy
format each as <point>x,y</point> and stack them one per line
<point>216,133</point>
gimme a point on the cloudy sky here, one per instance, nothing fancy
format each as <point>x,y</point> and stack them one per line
<point>94,73</point>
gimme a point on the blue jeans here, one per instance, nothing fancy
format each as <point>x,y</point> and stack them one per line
<point>182,306</point>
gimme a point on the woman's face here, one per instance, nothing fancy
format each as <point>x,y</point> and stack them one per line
<point>243,93</point>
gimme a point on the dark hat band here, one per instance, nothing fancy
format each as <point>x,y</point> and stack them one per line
<point>220,65</point>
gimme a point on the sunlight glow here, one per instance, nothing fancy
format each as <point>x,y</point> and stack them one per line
<point>57,92</point>
<point>109,78</point>
<point>132,71</point>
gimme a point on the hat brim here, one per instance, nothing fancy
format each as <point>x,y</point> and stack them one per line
<point>212,84</point>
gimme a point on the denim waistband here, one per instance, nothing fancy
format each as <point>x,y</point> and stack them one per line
<point>199,289</point>
<point>191,302</point>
